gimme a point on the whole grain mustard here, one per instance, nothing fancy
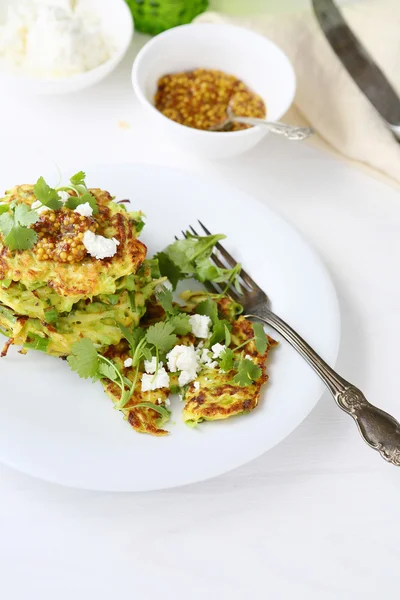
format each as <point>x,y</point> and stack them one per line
<point>200,98</point>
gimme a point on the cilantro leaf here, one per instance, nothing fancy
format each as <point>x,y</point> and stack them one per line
<point>23,215</point>
<point>6,223</point>
<point>73,202</point>
<point>219,332</point>
<point>84,359</point>
<point>20,238</point>
<point>47,195</point>
<point>133,337</point>
<point>160,335</point>
<point>226,362</point>
<point>261,339</point>
<point>207,271</point>
<point>209,308</point>
<point>185,253</point>
<point>228,337</point>
<point>78,178</point>
<point>181,324</point>
<point>180,252</point>
<point>14,228</point>
<point>164,296</point>
<point>107,371</point>
<point>169,269</point>
<point>4,208</point>
<point>248,372</point>
<point>191,258</point>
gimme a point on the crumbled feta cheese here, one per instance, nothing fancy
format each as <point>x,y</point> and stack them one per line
<point>155,382</point>
<point>84,209</point>
<point>180,397</point>
<point>205,359</point>
<point>200,325</point>
<point>199,345</point>
<point>150,365</point>
<point>53,39</point>
<point>167,402</point>
<point>128,362</point>
<point>99,246</point>
<point>217,350</point>
<point>185,359</point>
<point>159,400</point>
<point>182,358</point>
<point>39,207</point>
<point>248,357</point>
<point>196,385</point>
<point>63,196</point>
<point>186,377</point>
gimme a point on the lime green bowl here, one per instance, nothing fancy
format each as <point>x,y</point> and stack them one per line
<point>154,16</point>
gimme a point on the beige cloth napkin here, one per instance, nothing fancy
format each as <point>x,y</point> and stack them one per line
<point>326,97</point>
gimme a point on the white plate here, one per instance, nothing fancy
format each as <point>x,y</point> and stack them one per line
<point>58,427</point>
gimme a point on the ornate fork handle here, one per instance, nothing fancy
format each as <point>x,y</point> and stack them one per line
<point>291,132</point>
<point>378,429</point>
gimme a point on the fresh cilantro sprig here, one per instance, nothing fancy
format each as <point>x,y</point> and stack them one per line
<point>247,372</point>
<point>77,184</point>
<point>260,338</point>
<point>178,320</point>
<point>46,195</point>
<point>226,360</point>
<point>88,363</point>
<point>14,226</point>
<point>191,258</point>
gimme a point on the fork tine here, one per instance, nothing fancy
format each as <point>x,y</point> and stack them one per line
<point>231,261</point>
<point>193,231</point>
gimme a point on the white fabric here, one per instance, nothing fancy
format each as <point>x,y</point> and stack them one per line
<point>327,98</point>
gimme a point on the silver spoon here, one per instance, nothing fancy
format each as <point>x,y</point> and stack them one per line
<point>291,132</point>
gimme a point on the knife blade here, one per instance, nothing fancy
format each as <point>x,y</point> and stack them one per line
<point>359,63</point>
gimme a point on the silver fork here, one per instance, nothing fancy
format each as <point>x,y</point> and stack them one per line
<point>379,430</point>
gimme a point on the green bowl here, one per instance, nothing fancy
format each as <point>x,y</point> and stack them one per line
<point>154,16</point>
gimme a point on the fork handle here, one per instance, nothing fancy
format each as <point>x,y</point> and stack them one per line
<point>291,132</point>
<point>378,429</point>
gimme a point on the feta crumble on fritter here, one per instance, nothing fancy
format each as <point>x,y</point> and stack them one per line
<point>151,365</point>
<point>217,350</point>
<point>184,359</point>
<point>152,382</point>
<point>200,325</point>
<point>98,246</point>
<point>84,209</point>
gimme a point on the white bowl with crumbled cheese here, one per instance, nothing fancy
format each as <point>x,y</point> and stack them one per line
<point>61,46</point>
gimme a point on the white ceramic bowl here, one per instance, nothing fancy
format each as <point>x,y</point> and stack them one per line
<point>251,57</point>
<point>117,22</point>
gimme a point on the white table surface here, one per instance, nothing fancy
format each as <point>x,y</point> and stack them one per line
<point>316,517</point>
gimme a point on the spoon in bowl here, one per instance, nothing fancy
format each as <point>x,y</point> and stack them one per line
<point>291,132</point>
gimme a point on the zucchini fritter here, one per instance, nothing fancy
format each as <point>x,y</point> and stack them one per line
<point>89,277</point>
